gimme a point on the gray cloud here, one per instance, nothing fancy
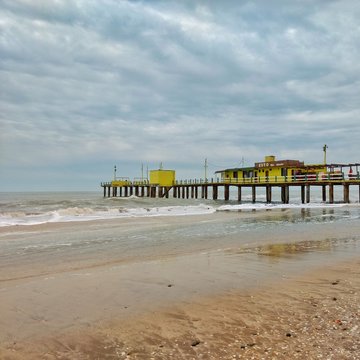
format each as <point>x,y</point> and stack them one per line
<point>86,84</point>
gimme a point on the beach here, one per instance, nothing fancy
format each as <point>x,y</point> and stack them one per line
<point>268,284</point>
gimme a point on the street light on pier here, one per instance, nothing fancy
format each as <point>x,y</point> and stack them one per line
<point>324,149</point>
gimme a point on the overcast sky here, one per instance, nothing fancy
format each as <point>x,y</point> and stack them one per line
<point>86,85</point>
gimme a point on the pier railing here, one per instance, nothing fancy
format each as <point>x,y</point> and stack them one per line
<point>313,178</point>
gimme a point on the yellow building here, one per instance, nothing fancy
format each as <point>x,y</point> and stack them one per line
<point>272,170</point>
<point>162,177</point>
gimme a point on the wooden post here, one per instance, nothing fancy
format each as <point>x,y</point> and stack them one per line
<point>226,192</point>
<point>109,191</point>
<point>324,193</point>
<point>346,193</point>
<point>303,194</point>
<point>183,191</point>
<point>331,193</point>
<point>202,191</point>
<point>206,191</point>
<point>215,192</point>
<point>131,190</point>
<point>187,192</point>
<point>196,191</point>
<point>104,188</point>
<point>136,191</point>
<point>174,192</point>
<point>253,188</point>
<point>239,193</point>
<point>268,193</point>
<point>287,194</point>
<point>307,194</point>
<point>192,191</point>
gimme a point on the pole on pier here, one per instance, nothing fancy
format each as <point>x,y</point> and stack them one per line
<point>324,149</point>
<point>205,168</point>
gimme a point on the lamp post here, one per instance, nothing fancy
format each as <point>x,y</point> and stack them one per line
<point>324,149</point>
<point>205,168</point>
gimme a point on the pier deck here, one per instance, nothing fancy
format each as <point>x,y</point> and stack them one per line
<point>209,188</point>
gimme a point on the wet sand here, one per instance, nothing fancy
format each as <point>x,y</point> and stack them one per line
<point>270,301</point>
<point>313,316</point>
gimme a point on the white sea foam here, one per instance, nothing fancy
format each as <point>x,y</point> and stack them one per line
<point>39,208</point>
<point>261,206</point>
<point>88,214</point>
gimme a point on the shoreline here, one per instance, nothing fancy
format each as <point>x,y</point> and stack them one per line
<point>314,315</point>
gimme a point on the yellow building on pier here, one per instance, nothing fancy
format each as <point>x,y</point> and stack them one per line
<point>162,177</point>
<point>272,170</point>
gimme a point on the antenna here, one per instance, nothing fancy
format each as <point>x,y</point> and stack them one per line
<point>324,149</point>
<point>206,167</point>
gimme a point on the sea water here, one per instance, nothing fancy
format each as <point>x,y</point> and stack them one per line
<point>147,227</point>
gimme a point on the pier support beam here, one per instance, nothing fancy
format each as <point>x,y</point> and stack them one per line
<point>324,193</point>
<point>239,193</point>
<point>285,198</point>
<point>268,193</point>
<point>215,192</point>
<point>196,192</point>
<point>226,192</point>
<point>307,194</point>
<point>346,193</point>
<point>303,194</point>
<point>109,191</point>
<point>253,191</point>
<point>331,193</point>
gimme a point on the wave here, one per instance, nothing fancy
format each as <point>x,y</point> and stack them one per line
<point>73,214</point>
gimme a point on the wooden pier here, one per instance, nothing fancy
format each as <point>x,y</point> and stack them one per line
<point>210,189</point>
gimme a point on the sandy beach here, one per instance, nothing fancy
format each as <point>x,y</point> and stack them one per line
<point>316,316</point>
<point>261,300</point>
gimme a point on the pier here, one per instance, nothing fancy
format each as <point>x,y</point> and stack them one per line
<point>212,188</point>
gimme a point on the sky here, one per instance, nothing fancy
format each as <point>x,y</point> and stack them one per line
<point>86,85</point>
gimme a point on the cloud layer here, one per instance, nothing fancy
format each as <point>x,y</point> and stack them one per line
<point>89,84</point>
